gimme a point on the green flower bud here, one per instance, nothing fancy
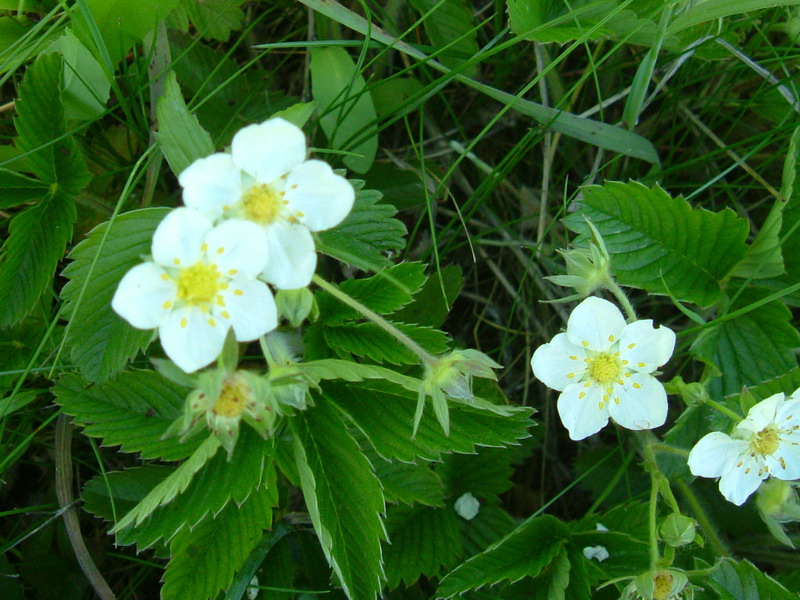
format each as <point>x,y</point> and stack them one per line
<point>677,530</point>
<point>666,584</point>
<point>777,503</point>
<point>588,269</point>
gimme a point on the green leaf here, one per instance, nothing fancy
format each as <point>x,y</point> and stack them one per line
<point>36,241</point>
<point>205,559</point>
<point>41,127</point>
<point>385,414</point>
<point>101,343</point>
<point>16,188</point>
<point>422,541</point>
<point>787,383</point>
<point>347,114</point>
<point>790,229</point>
<point>170,487</point>
<point>215,19</point>
<point>710,10</point>
<point>485,474</point>
<point>763,258</point>
<point>368,340</point>
<point>450,25</point>
<point>409,483</point>
<point>656,240</point>
<point>434,301</point>
<point>333,369</point>
<point>343,496</point>
<point>180,135</point>
<point>109,28</point>
<point>511,558</point>
<point>86,86</point>
<point>741,580</point>
<point>132,411</point>
<point>127,488</point>
<point>367,234</point>
<point>489,525</point>
<point>753,347</point>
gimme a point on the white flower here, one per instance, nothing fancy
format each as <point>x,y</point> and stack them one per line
<point>200,283</point>
<point>599,553</point>
<point>765,443</point>
<point>602,367</point>
<point>267,179</point>
<point>467,506</point>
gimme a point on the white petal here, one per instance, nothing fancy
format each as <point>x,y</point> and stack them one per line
<point>642,407</point>
<point>270,149</point>
<point>251,309</point>
<point>190,341</point>
<point>595,324</point>
<point>179,238</point>
<point>141,296</point>
<point>210,184</point>
<point>292,256</point>
<point>582,416</point>
<point>787,414</point>
<point>791,458</point>
<point>715,454</point>
<point>762,414</point>
<point>238,245</point>
<point>651,347</point>
<point>739,482</point>
<point>553,363</point>
<point>322,197</point>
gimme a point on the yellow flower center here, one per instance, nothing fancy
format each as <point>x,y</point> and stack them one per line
<point>604,368</point>
<point>232,398</point>
<point>766,441</point>
<point>662,586</point>
<point>199,284</point>
<point>262,204</point>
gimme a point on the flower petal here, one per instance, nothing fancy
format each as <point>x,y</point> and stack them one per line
<point>553,363</point>
<point>715,454</point>
<point>210,184</point>
<point>645,347</point>
<point>238,245</point>
<point>595,324</point>
<point>791,459</point>
<point>142,295</point>
<point>190,340</point>
<point>739,482</point>
<point>762,414</point>
<point>642,403</point>
<point>787,415</point>
<point>270,149</point>
<point>250,308</point>
<point>179,238</point>
<point>292,256</point>
<point>321,197</point>
<point>580,410</point>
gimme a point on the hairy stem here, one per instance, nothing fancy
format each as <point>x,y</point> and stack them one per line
<point>724,410</point>
<point>700,514</point>
<point>622,298</point>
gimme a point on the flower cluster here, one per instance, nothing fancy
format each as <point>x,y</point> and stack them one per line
<point>247,221</point>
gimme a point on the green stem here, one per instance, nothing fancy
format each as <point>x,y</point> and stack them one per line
<point>702,518</point>
<point>652,468</point>
<point>666,449</point>
<point>622,298</point>
<point>723,409</point>
<point>426,358</point>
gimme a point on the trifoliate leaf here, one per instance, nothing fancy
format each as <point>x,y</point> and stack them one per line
<point>343,497</point>
<point>133,410</point>
<point>368,340</point>
<point>101,343</point>
<point>656,240</point>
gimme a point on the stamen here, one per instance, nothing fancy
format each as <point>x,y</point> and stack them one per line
<point>611,338</point>
<point>204,247</point>
<point>212,322</point>
<point>176,261</point>
<point>166,305</point>
<point>184,323</point>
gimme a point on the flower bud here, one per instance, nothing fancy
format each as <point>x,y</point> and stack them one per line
<point>666,584</point>
<point>777,503</point>
<point>588,269</point>
<point>677,530</point>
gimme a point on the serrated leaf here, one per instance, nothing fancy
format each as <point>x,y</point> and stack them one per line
<point>408,483</point>
<point>368,233</point>
<point>423,541</point>
<point>741,580</point>
<point>450,25</point>
<point>133,411</point>
<point>579,587</point>
<point>127,488</point>
<point>53,157</point>
<point>385,414</point>
<point>86,87</point>
<point>180,135</point>
<point>787,383</point>
<point>489,525</point>
<point>170,487</point>
<point>36,241</point>
<point>343,497</point>
<point>763,258</point>
<point>716,9</point>
<point>101,343</point>
<point>368,340</point>
<point>333,369</point>
<point>434,301</point>
<point>385,292</point>
<point>656,240</point>
<point>790,227</point>
<point>753,347</point>
<point>347,113</point>
<point>217,484</point>
<point>16,188</point>
<point>215,19</point>
<point>485,474</point>
<point>626,554</point>
<point>205,559</point>
<point>552,582</point>
<point>511,558</point>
